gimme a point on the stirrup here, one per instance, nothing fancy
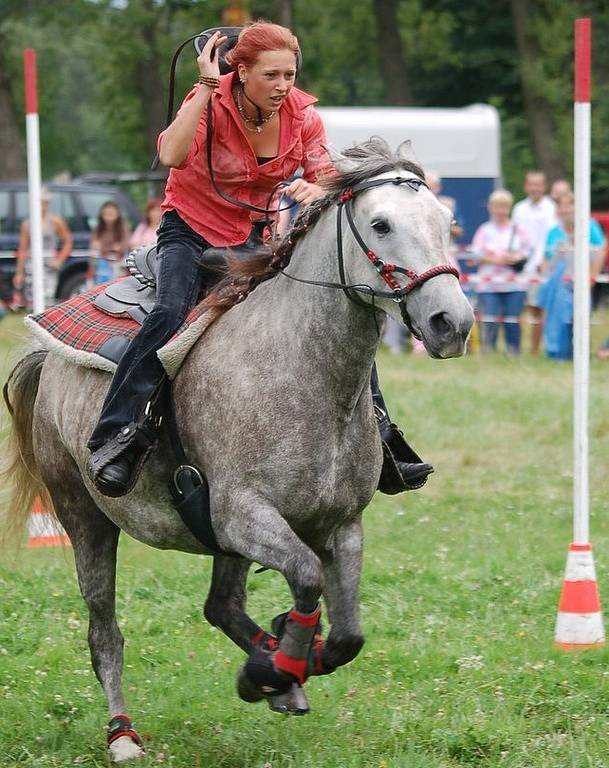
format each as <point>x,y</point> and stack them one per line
<point>396,451</point>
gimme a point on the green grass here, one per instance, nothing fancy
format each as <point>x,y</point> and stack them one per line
<point>459,598</point>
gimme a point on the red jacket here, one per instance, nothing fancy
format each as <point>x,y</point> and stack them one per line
<point>189,190</point>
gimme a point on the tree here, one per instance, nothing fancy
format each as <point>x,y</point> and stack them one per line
<point>393,65</point>
<point>538,108</point>
<point>12,159</point>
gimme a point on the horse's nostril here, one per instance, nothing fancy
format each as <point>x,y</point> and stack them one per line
<point>440,324</point>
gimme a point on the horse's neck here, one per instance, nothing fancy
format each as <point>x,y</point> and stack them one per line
<point>336,338</point>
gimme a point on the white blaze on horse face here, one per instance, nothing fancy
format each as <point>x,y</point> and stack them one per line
<point>411,228</point>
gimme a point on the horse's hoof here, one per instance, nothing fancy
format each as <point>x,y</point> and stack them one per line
<point>246,689</point>
<point>123,749</point>
<point>292,702</point>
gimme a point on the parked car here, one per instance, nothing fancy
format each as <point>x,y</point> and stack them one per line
<point>79,205</point>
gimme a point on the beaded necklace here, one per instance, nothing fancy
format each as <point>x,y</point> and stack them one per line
<point>259,122</point>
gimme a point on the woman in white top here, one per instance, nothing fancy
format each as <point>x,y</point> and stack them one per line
<point>56,247</point>
<point>503,249</point>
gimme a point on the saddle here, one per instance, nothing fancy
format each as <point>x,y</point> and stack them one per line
<point>135,296</point>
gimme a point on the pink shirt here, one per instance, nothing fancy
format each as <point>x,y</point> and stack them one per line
<point>189,190</point>
<point>499,278</point>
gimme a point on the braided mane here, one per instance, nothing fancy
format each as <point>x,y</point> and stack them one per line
<point>368,159</point>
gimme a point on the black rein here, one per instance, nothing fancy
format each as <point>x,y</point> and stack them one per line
<point>385,270</point>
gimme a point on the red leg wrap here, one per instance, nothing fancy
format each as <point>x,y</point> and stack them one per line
<point>295,667</point>
<point>120,725</point>
<point>305,619</point>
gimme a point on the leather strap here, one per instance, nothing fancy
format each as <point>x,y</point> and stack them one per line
<point>189,488</point>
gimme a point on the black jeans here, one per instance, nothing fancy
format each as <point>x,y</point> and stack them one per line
<point>140,371</point>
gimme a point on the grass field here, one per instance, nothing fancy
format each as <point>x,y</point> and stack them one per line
<point>459,599</point>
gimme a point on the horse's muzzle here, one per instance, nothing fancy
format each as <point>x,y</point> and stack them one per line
<point>448,334</point>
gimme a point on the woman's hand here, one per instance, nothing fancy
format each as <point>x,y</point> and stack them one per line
<point>208,60</point>
<point>512,257</point>
<point>304,192</point>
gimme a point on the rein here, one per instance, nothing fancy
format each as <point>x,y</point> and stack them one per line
<point>385,270</point>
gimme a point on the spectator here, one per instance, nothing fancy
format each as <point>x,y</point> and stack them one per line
<point>145,232</point>
<point>559,187</point>
<point>556,295</point>
<point>109,244</point>
<point>603,352</point>
<point>536,215</point>
<point>54,231</point>
<point>501,245</point>
<point>435,185</point>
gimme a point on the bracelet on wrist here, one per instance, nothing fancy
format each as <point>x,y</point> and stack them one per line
<point>210,82</point>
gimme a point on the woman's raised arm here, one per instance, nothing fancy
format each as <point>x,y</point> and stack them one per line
<point>176,140</point>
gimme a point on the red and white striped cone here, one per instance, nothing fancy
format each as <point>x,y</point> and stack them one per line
<point>580,622</point>
<point>44,528</point>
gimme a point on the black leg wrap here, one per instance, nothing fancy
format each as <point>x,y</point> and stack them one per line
<point>262,674</point>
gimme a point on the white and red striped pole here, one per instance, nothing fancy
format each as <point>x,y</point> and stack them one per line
<point>33,177</point>
<point>580,621</point>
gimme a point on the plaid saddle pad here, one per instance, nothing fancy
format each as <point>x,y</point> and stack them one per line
<point>87,336</point>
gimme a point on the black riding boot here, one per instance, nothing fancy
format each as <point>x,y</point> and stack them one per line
<point>402,468</point>
<point>127,428</point>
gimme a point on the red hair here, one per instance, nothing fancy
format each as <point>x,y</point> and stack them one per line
<point>258,37</point>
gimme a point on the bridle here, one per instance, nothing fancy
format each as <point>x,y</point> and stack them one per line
<point>385,270</point>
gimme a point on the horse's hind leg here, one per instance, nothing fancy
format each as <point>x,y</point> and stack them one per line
<point>94,539</point>
<point>225,604</point>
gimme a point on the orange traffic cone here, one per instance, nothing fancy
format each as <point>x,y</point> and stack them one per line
<point>580,622</point>
<point>44,528</point>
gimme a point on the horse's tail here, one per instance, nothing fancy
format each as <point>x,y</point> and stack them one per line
<point>19,472</point>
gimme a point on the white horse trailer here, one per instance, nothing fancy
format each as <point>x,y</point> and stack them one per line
<point>463,145</point>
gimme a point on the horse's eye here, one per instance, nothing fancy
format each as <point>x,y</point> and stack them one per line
<point>381,227</point>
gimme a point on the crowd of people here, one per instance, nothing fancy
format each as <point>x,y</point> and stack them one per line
<point>524,254</point>
<point>110,241</point>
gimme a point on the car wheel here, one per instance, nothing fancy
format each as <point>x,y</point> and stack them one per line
<point>72,286</point>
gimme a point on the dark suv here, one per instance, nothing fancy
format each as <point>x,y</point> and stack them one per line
<point>79,205</point>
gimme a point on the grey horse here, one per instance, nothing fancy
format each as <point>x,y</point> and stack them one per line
<point>274,403</point>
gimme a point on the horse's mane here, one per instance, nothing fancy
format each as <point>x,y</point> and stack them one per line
<point>369,159</point>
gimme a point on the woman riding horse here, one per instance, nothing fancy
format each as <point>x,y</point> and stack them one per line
<point>264,130</point>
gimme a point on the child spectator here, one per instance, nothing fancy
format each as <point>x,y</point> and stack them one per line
<point>109,243</point>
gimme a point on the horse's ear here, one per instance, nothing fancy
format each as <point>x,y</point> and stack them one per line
<point>406,152</point>
<point>341,163</point>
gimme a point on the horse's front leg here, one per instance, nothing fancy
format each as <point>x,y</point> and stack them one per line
<point>342,569</point>
<point>269,540</point>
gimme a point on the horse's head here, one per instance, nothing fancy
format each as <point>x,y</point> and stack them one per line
<point>398,245</point>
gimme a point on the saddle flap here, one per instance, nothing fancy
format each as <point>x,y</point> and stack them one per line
<point>126,298</point>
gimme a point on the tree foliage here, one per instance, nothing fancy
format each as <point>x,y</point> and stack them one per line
<point>103,70</point>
